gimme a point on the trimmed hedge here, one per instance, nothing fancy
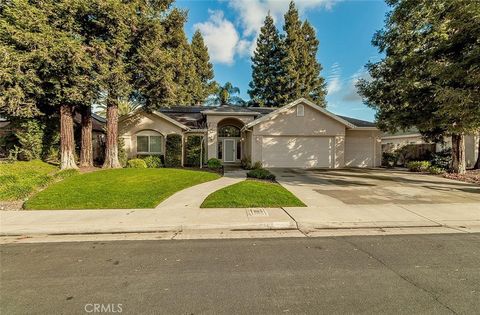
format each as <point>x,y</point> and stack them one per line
<point>193,149</point>
<point>173,151</point>
<point>418,166</point>
<point>214,164</point>
<point>136,163</point>
<point>261,173</point>
<point>153,161</point>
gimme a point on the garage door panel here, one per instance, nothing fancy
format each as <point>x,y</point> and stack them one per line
<point>302,152</point>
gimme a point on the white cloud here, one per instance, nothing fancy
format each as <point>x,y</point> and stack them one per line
<point>351,94</point>
<point>220,36</point>
<point>252,13</point>
<point>224,41</point>
<point>334,82</point>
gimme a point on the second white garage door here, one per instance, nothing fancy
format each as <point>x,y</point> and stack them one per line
<point>299,152</point>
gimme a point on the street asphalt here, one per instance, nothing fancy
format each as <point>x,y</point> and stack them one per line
<point>408,274</point>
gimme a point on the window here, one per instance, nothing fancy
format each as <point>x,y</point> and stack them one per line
<point>149,144</point>
<point>229,131</point>
<point>300,110</point>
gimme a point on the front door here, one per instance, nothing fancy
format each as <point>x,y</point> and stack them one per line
<point>229,153</point>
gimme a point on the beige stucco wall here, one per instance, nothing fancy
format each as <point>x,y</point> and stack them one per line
<point>313,124</point>
<point>142,121</point>
<point>212,122</point>
<point>289,124</point>
<point>363,148</point>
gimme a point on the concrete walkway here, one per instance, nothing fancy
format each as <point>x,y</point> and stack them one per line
<point>194,196</point>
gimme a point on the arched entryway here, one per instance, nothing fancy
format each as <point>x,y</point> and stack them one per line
<point>229,147</point>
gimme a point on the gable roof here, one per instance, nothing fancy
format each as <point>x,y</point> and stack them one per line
<point>358,122</point>
<point>158,114</point>
<point>295,103</point>
<point>229,109</point>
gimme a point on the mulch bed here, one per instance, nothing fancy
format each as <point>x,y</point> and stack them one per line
<point>472,176</point>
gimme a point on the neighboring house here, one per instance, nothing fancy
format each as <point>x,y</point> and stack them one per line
<point>391,142</point>
<point>300,134</point>
<point>98,134</point>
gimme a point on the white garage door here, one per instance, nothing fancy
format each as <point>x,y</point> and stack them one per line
<point>301,152</point>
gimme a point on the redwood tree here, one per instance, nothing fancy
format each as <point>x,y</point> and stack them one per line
<point>46,65</point>
<point>86,148</point>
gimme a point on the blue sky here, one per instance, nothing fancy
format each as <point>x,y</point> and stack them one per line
<point>344,29</point>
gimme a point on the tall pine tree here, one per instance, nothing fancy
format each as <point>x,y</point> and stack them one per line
<point>266,85</point>
<point>300,66</point>
<point>203,69</point>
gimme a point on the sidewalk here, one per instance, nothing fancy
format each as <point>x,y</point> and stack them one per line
<point>460,217</point>
<point>194,196</point>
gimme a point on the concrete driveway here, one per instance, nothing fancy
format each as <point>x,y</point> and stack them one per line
<point>379,197</point>
<point>375,187</point>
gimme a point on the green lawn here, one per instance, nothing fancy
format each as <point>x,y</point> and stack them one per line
<point>119,188</point>
<point>19,179</point>
<point>252,193</point>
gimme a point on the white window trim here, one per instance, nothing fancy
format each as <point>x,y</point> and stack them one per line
<point>300,110</point>
<point>150,152</point>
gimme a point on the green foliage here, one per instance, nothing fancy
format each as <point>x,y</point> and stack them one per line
<point>252,193</point>
<point>389,159</point>
<point>193,151</point>
<point>203,69</point>
<point>246,163</point>
<point>435,170</point>
<point>19,179</point>
<point>300,68</point>
<point>261,173</point>
<point>266,85</point>
<point>117,189</point>
<point>136,163</point>
<point>30,135</point>
<point>429,77</point>
<point>442,159</point>
<point>214,164</point>
<point>226,94</point>
<point>418,166</point>
<point>173,151</point>
<point>153,161</point>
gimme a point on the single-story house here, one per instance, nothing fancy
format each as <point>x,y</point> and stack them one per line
<point>298,135</point>
<point>392,142</point>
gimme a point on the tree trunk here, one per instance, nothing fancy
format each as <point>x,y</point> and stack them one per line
<point>458,154</point>
<point>477,165</point>
<point>86,150</point>
<point>111,151</point>
<point>67,143</point>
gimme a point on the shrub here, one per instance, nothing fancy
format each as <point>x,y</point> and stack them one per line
<point>389,159</point>
<point>257,165</point>
<point>136,163</point>
<point>442,159</point>
<point>173,153</point>
<point>418,166</point>
<point>246,163</point>
<point>153,161</point>
<point>214,164</point>
<point>435,170</point>
<point>193,151</point>
<point>30,137</point>
<point>261,173</point>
